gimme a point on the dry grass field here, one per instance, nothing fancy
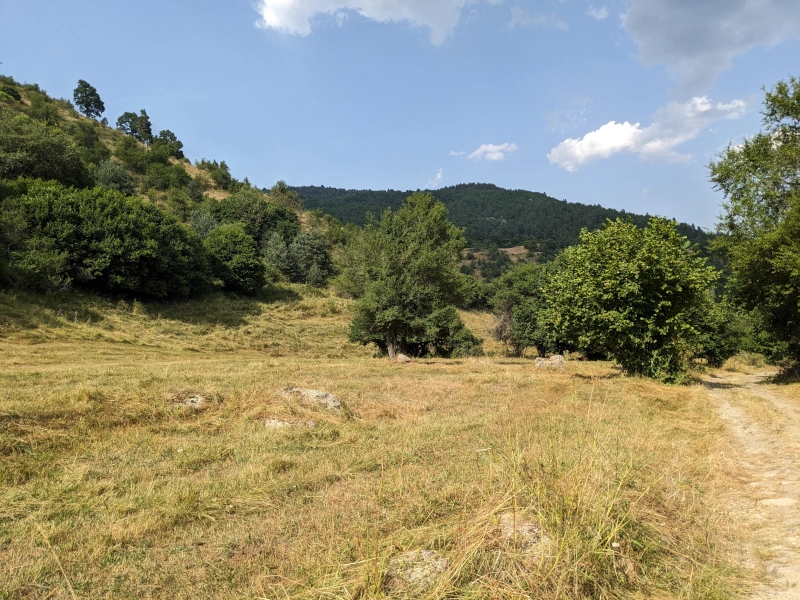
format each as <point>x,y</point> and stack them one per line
<point>109,488</point>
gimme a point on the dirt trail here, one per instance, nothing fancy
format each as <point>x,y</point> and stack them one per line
<point>766,447</point>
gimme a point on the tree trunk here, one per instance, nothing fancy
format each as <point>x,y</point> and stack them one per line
<point>391,343</point>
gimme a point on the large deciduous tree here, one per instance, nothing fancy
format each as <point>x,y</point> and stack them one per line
<point>403,272</point>
<point>88,100</point>
<point>760,224</point>
<point>635,294</point>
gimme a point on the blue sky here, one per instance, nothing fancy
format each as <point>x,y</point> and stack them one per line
<point>618,103</point>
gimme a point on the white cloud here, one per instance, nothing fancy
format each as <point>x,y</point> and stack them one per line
<point>672,126</point>
<point>493,151</point>
<point>437,181</point>
<point>524,18</point>
<point>454,153</point>
<point>697,40</point>
<point>295,16</point>
<point>598,13</point>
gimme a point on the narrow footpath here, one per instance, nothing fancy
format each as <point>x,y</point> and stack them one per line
<point>765,446</point>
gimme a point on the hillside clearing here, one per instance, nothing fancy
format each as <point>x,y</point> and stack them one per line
<point>110,489</point>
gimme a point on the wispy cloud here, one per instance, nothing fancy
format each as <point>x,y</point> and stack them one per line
<point>454,153</point>
<point>296,16</point>
<point>598,13</point>
<point>672,126</point>
<point>493,151</point>
<point>437,181</point>
<point>525,18</point>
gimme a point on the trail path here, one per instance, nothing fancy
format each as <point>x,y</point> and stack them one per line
<point>766,447</point>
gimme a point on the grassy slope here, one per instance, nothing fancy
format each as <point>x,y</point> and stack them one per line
<point>107,486</point>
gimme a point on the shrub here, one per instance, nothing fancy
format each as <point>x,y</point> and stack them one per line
<point>114,176</point>
<point>234,258</point>
<point>101,240</point>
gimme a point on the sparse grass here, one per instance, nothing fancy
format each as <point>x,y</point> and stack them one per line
<point>136,497</point>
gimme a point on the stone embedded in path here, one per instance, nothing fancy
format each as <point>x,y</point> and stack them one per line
<point>277,424</point>
<point>325,399</point>
<point>414,571</point>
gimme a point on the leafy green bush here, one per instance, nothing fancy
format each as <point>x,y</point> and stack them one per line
<point>114,176</point>
<point>639,295</point>
<point>29,148</point>
<point>234,258</point>
<point>99,239</point>
<point>258,217</point>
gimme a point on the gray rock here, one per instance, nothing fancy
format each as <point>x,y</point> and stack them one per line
<point>414,571</point>
<point>525,533</point>
<point>325,399</point>
<point>194,400</point>
<point>402,358</point>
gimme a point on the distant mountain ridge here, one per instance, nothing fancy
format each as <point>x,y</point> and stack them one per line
<point>490,215</point>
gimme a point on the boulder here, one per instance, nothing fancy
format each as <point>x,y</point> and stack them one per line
<point>525,533</point>
<point>324,399</point>
<point>402,358</point>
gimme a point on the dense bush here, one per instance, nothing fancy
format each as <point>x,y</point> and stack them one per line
<point>114,176</point>
<point>258,217</point>
<point>234,258</point>
<point>639,295</point>
<point>101,240</point>
<point>30,148</point>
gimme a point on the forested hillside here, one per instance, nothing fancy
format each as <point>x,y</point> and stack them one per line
<point>490,215</point>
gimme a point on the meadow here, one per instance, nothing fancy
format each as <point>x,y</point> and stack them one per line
<point>111,488</point>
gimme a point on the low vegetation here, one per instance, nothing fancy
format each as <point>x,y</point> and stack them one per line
<point>109,487</point>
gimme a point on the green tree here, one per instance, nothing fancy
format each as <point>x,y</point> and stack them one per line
<point>403,272</point>
<point>760,225</point>
<point>88,100</point>
<point>234,258</point>
<point>260,218</point>
<point>170,142</point>
<point>138,126</point>
<point>30,148</point>
<point>635,294</point>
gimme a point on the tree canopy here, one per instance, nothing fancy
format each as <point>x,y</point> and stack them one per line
<point>88,100</point>
<point>402,270</point>
<point>760,223</point>
<point>638,295</point>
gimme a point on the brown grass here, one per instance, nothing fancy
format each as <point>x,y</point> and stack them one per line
<point>137,497</point>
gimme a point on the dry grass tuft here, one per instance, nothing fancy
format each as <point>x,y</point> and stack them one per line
<point>137,496</point>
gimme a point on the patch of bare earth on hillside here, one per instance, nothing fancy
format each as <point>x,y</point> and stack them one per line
<point>765,445</point>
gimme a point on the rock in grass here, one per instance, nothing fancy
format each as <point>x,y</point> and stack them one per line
<point>402,358</point>
<point>194,399</point>
<point>277,424</point>
<point>414,571</point>
<point>525,533</point>
<point>325,399</point>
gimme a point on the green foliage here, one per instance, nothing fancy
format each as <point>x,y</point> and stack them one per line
<point>760,224</point>
<point>234,258</point>
<point>259,217</point>
<point>29,148</point>
<point>282,195</point>
<point>635,294</point>
<point>202,221</point>
<point>519,302</point>
<point>162,177</point>
<point>310,258</point>
<point>88,100</point>
<point>100,240</point>
<point>219,172</point>
<point>137,126</point>
<point>114,176</point>
<point>132,155</point>
<point>41,107</point>
<point>11,91</point>
<point>92,149</point>
<point>169,142</point>
<point>403,273</point>
<point>490,215</point>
